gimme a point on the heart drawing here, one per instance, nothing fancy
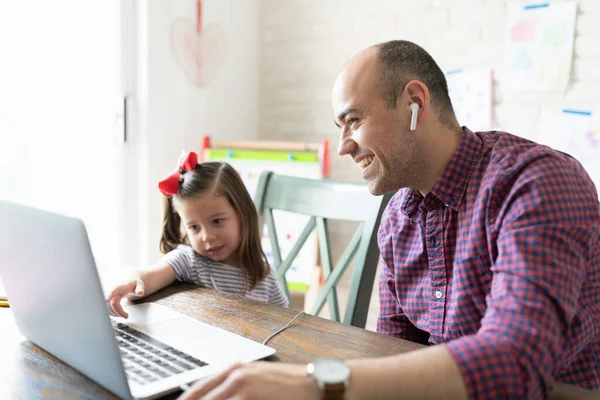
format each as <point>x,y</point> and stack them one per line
<point>199,54</point>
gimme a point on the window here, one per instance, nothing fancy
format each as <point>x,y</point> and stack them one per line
<point>59,98</point>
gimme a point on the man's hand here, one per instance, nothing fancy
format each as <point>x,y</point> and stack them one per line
<point>257,380</point>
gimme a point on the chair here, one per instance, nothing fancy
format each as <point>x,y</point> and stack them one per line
<point>324,200</point>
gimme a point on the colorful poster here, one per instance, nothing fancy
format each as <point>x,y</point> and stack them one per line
<point>471,95</point>
<point>539,47</point>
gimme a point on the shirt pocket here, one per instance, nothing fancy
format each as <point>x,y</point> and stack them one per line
<point>468,289</point>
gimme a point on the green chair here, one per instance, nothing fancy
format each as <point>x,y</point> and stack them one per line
<point>324,200</point>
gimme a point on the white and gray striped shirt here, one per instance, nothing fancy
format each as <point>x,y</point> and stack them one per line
<point>190,266</point>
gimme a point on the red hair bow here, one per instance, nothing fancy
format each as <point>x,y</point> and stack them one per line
<point>170,185</point>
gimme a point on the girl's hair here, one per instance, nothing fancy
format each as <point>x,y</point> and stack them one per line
<point>219,179</point>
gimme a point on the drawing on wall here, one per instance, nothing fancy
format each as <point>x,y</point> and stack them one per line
<point>471,95</point>
<point>539,46</point>
<point>577,133</point>
<point>199,50</point>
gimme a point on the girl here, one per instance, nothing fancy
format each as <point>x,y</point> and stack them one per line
<point>210,237</point>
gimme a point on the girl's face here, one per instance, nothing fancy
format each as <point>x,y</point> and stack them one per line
<point>212,226</point>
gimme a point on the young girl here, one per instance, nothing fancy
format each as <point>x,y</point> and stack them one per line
<point>210,237</point>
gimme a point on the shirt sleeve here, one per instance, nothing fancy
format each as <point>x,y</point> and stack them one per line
<point>181,260</point>
<point>548,228</point>
<point>276,295</point>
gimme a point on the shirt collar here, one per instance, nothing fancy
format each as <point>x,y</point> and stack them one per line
<point>450,188</point>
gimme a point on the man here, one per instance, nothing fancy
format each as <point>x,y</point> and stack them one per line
<point>489,246</point>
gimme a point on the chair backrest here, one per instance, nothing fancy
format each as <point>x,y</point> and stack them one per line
<point>323,200</point>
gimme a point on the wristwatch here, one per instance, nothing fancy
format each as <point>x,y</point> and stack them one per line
<point>331,375</point>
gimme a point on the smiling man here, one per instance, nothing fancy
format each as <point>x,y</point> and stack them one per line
<point>490,250</point>
<point>490,245</point>
<point>370,109</point>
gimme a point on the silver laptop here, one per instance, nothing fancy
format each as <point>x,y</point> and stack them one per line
<point>56,297</point>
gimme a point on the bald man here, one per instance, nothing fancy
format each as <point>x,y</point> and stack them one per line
<point>489,248</point>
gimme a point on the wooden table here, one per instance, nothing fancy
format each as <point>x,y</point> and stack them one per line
<point>28,372</point>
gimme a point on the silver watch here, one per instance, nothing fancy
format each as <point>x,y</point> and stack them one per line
<point>331,375</point>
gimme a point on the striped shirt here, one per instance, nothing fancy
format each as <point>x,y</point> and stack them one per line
<point>189,266</point>
<point>500,263</point>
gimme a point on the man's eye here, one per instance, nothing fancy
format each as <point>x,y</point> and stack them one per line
<point>351,121</point>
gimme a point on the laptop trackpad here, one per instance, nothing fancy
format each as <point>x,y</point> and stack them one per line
<point>207,343</point>
<point>144,314</point>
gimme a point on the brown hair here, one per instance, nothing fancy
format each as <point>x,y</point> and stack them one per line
<point>401,61</point>
<point>219,179</point>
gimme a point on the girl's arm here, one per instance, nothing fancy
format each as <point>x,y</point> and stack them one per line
<point>143,283</point>
<point>155,278</point>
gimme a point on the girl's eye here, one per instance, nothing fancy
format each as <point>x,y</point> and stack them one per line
<point>218,221</point>
<point>193,227</point>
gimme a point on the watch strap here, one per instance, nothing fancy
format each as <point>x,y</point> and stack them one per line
<point>334,391</point>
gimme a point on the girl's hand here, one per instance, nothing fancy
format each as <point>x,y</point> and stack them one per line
<point>131,290</point>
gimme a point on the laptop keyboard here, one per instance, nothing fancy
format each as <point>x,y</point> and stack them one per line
<point>147,360</point>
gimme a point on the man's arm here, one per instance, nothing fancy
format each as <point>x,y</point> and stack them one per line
<point>423,374</point>
<point>430,373</point>
<point>547,232</point>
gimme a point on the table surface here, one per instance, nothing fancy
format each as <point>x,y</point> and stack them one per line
<point>26,371</point>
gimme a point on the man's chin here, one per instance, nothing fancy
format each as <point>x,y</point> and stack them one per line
<point>379,188</point>
<point>375,188</point>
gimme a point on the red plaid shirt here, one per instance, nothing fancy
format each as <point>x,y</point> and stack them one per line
<point>501,263</point>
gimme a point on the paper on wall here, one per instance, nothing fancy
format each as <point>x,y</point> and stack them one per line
<point>575,132</point>
<point>471,95</point>
<point>539,46</point>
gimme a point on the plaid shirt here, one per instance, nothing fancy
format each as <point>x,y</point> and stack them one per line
<point>501,263</point>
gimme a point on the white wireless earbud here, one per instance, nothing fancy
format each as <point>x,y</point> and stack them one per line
<point>413,116</point>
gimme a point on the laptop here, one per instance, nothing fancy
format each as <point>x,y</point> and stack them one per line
<point>57,301</point>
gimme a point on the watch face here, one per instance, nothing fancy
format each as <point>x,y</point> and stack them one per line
<point>330,370</point>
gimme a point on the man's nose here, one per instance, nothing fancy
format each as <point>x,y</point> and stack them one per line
<point>347,144</point>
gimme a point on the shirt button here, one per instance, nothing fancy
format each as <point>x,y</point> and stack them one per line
<point>438,294</point>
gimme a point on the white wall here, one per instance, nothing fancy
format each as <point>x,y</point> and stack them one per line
<point>171,114</point>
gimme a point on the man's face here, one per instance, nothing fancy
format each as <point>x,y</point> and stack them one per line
<point>375,136</point>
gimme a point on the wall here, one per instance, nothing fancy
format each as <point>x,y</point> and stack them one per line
<point>170,114</point>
